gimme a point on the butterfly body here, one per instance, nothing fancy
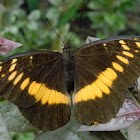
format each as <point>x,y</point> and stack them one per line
<point>69,66</point>
<point>41,83</point>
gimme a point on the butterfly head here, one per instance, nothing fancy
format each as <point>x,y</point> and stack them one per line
<point>66,48</point>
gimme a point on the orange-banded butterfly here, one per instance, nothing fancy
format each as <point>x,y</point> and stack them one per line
<point>40,83</point>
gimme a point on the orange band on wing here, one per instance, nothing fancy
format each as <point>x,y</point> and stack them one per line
<point>98,87</point>
<point>46,95</point>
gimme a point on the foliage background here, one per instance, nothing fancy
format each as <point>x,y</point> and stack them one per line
<point>24,21</point>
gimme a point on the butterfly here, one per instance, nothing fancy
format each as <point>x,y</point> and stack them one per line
<point>46,85</point>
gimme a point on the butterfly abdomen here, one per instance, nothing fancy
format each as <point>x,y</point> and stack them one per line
<point>68,64</point>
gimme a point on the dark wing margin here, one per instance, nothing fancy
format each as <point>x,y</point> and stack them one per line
<point>34,81</point>
<point>103,70</point>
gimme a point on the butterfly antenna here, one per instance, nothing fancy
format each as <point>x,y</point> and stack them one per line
<point>55,31</point>
<point>75,26</point>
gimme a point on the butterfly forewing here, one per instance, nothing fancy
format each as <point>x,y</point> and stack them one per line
<point>39,82</point>
<point>103,70</point>
<point>34,81</point>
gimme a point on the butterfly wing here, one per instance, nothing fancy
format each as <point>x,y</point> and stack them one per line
<point>103,70</point>
<point>34,81</point>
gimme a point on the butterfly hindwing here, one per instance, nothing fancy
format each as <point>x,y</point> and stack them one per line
<point>39,82</point>
<point>103,70</point>
<point>34,81</point>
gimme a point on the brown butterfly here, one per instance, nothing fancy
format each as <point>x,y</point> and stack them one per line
<point>97,74</point>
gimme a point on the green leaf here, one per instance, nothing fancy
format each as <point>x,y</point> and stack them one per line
<point>70,132</point>
<point>11,4</point>
<point>4,135</point>
<point>134,131</point>
<point>13,118</point>
<point>57,44</point>
<point>33,4</point>
<point>34,15</point>
<point>22,136</point>
<point>55,2</point>
<point>70,13</point>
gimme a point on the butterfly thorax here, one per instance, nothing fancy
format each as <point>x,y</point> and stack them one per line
<point>68,64</point>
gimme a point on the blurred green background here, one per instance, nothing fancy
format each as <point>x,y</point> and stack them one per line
<point>24,21</point>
